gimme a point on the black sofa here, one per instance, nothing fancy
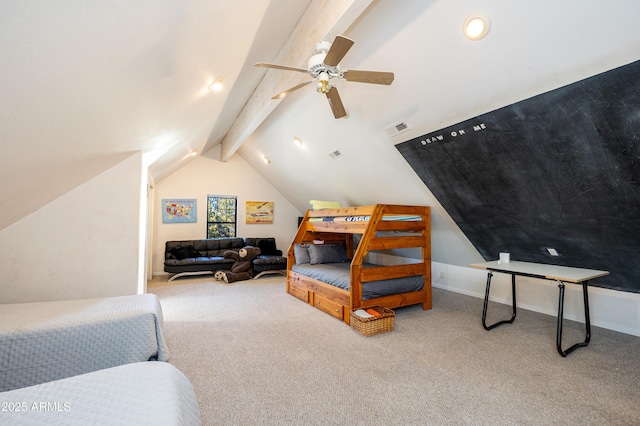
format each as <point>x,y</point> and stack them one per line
<point>197,257</point>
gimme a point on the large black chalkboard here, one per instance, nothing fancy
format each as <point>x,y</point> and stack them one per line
<point>559,170</point>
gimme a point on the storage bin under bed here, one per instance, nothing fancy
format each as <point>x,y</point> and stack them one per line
<point>374,325</point>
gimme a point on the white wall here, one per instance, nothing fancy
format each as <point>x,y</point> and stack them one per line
<point>614,310</point>
<point>441,79</point>
<point>205,176</point>
<point>82,245</point>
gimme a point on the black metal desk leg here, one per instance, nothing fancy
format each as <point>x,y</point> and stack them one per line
<point>486,302</point>
<point>560,315</point>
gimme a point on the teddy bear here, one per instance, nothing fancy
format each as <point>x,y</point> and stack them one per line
<point>242,268</point>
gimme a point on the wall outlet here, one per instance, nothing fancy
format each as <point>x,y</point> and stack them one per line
<point>441,275</point>
<point>553,252</point>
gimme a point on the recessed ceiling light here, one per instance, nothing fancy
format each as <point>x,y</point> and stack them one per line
<point>476,27</point>
<point>216,86</point>
<point>297,141</point>
<point>265,159</point>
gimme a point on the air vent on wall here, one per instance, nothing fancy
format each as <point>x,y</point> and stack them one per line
<point>397,128</point>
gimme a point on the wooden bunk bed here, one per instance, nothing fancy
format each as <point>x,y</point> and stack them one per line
<point>381,227</point>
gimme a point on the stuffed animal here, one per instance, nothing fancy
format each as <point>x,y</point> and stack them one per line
<point>242,268</point>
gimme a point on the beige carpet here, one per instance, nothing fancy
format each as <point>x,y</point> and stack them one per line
<point>258,356</point>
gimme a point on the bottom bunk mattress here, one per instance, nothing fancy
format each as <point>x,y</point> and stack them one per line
<point>144,393</point>
<point>338,275</point>
<point>45,341</point>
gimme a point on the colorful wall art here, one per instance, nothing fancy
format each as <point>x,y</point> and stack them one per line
<point>179,210</point>
<point>259,212</point>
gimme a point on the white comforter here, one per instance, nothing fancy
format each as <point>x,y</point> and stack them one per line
<point>144,393</point>
<point>45,341</point>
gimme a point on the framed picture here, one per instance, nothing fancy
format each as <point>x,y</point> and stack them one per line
<point>259,212</point>
<point>179,210</point>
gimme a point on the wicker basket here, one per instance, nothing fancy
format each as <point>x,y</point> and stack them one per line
<point>375,325</point>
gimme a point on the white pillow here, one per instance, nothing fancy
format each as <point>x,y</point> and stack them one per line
<point>317,204</point>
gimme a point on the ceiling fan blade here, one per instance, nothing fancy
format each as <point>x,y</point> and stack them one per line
<point>374,77</point>
<point>294,88</point>
<point>338,49</point>
<point>336,103</point>
<point>280,67</point>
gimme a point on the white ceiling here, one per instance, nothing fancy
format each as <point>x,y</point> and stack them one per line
<point>85,84</point>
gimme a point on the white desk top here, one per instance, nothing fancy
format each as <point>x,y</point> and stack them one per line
<point>550,272</point>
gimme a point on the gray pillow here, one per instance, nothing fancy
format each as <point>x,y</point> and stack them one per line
<point>326,253</point>
<point>301,252</point>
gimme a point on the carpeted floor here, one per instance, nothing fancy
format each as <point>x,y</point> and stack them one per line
<point>258,356</point>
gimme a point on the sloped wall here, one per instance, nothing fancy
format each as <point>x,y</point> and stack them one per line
<point>82,245</point>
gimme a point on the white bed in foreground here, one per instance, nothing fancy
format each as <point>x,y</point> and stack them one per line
<point>144,393</point>
<point>45,341</point>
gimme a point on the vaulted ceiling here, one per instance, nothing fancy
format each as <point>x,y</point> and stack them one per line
<point>85,84</point>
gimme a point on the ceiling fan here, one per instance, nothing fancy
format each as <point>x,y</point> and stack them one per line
<point>323,66</point>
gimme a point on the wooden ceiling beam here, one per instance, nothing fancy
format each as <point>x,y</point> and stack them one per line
<point>323,20</point>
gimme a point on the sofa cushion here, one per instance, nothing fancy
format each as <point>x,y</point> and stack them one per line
<point>201,260</point>
<point>269,263</point>
<point>176,266</point>
<point>267,247</point>
<point>217,246</point>
<point>185,253</point>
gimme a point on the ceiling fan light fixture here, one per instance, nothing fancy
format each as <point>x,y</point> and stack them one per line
<point>325,65</point>
<point>476,27</point>
<point>323,46</point>
<point>323,82</point>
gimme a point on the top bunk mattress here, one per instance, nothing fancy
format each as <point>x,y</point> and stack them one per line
<point>363,218</point>
<point>338,275</point>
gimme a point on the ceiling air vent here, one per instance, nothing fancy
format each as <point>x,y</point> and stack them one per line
<point>335,154</point>
<point>397,128</point>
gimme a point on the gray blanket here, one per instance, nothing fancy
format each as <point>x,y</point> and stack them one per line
<point>338,275</point>
<point>145,393</point>
<point>45,341</point>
